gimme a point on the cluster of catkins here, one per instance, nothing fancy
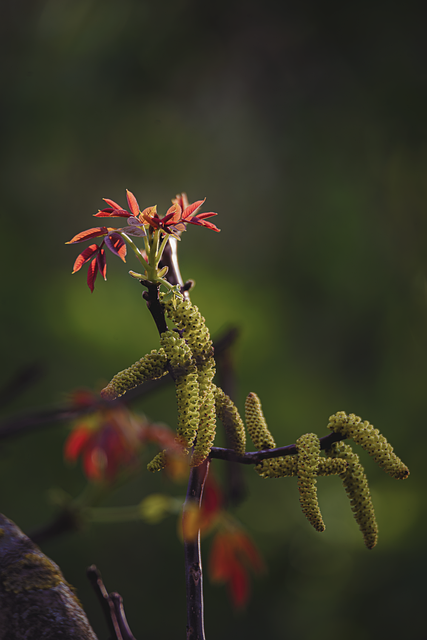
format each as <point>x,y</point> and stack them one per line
<point>340,460</point>
<point>187,353</point>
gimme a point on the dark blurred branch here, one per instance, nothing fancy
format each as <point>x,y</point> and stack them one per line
<point>17,425</point>
<point>112,606</point>
<point>20,381</point>
<point>67,520</point>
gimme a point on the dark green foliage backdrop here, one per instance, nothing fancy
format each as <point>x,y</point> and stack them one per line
<point>304,125</point>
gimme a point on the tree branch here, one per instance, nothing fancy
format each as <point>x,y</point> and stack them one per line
<point>151,296</point>
<point>255,457</point>
<point>33,420</point>
<point>193,561</point>
<point>112,606</point>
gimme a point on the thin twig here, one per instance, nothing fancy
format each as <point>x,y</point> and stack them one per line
<point>112,606</point>
<point>255,457</point>
<point>117,601</point>
<point>106,604</point>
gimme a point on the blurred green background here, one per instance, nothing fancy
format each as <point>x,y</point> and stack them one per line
<point>304,125</point>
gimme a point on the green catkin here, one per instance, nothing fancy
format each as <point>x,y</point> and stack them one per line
<point>357,489</point>
<point>229,415</point>
<point>207,424</point>
<point>286,466</point>
<point>282,467</point>
<point>149,367</point>
<point>256,424</point>
<point>206,431</point>
<point>370,439</point>
<point>158,462</point>
<point>331,467</point>
<point>191,324</point>
<point>308,451</point>
<point>186,386</point>
<point>193,330</point>
<point>262,439</point>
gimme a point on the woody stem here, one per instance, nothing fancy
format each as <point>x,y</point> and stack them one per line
<point>193,561</point>
<point>151,296</point>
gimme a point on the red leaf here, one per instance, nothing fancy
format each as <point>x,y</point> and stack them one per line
<point>239,585</point>
<point>76,441</point>
<point>219,559</point>
<point>121,250</point>
<point>249,552</point>
<point>89,233</point>
<point>112,213</point>
<point>201,216</point>
<point>113,204</point>
<point>150,215</point>
<point>181,199</point>
<point>84,256</point>
<point>173,214</point>
<point>203,223</point>
<point>102,264</point>
<point>132,202</point>
<point>117,245</point>
<point>212,498</point>
<point>191,209</point>
<point>92,273</point>
<point>93,463</point>
<point>232,554</point>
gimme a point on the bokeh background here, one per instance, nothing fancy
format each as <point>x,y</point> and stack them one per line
<point>304,125</point>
